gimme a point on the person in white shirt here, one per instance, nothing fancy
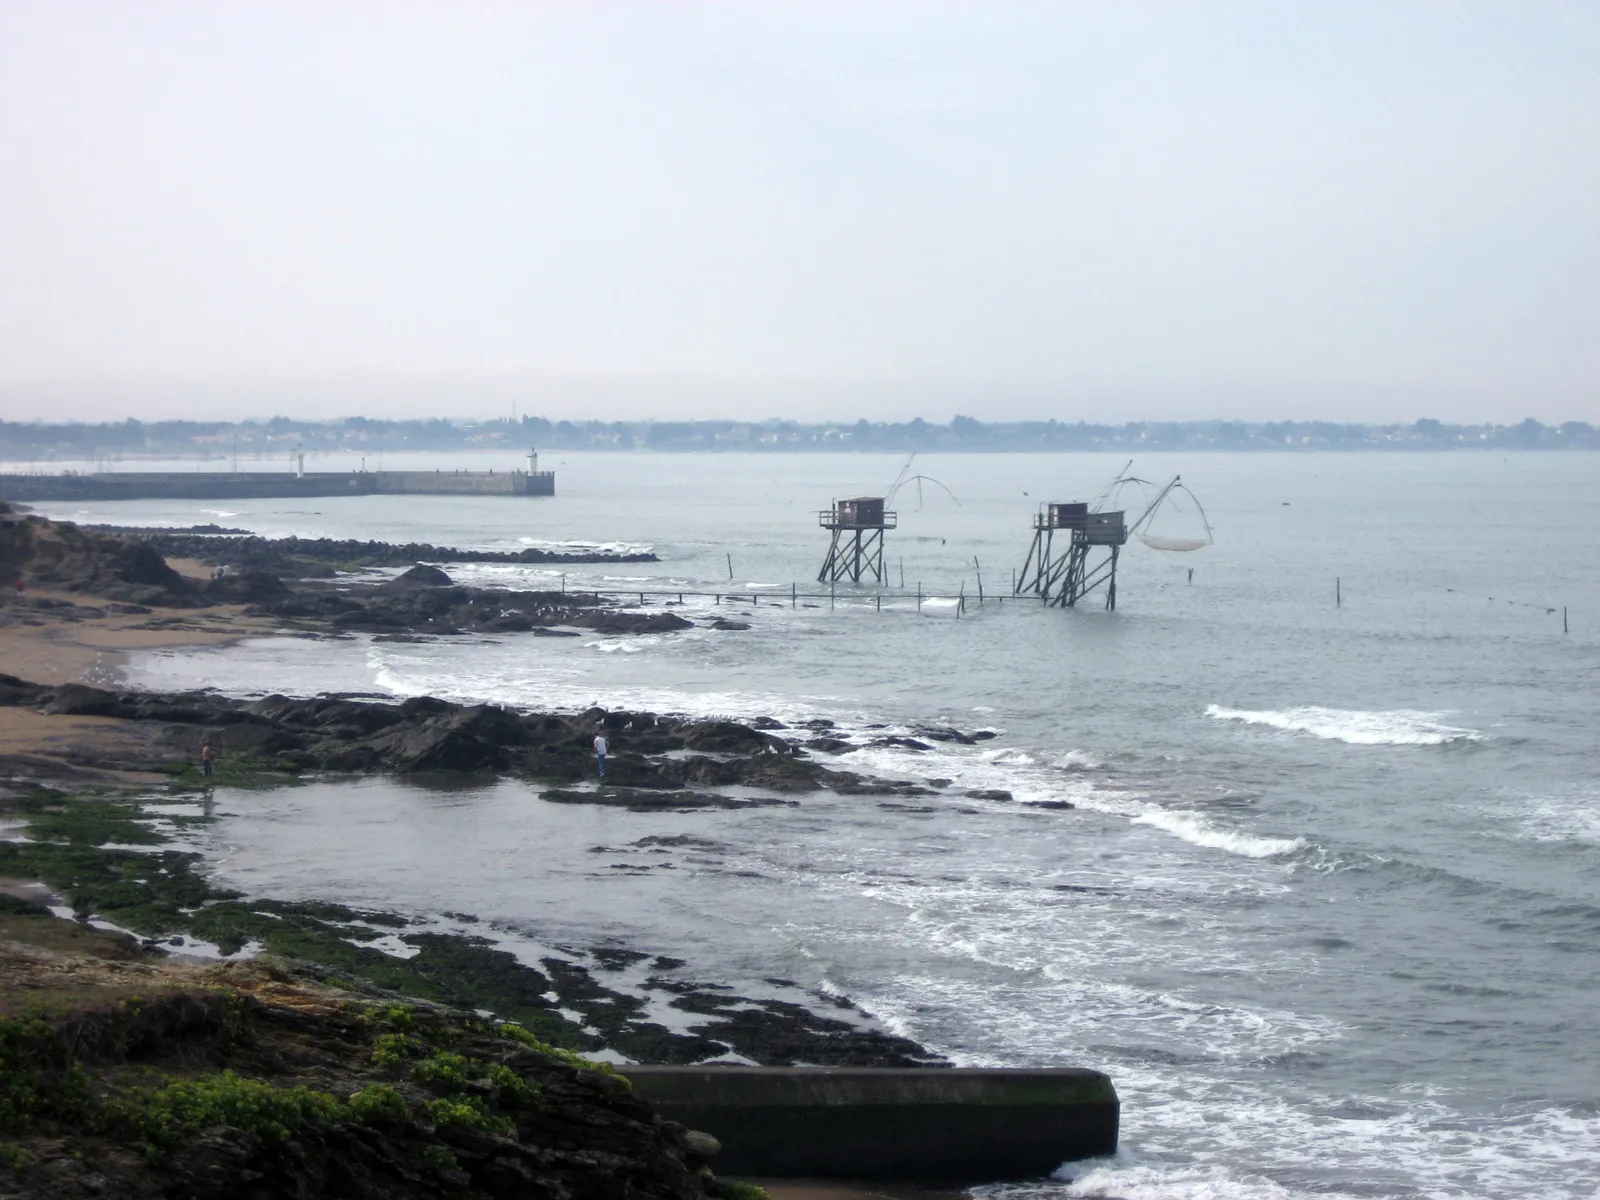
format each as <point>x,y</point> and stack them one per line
<point>600,753</point>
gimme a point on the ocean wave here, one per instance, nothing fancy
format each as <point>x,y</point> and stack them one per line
<point>1548,1153</point>
<point>1100,1179</point>
<point>1196,830</point>
<point>1394,727</point>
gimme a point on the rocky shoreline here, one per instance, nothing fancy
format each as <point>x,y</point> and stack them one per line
<point>97,807</point>
<point>424,601</point>
<point>95,855</point>
<point>660,763</point>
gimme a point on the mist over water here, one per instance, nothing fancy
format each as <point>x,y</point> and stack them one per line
<point>1327,905</point>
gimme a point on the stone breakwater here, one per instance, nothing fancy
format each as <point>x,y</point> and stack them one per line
<point>425,601</point>
<point>309,557</point>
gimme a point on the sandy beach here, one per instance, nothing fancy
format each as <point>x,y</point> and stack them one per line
<point>46,645</point>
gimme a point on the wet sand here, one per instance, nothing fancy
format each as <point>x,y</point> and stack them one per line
<point>56,651</point>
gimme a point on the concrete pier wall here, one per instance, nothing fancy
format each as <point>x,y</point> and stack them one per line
<point>248,485</point>
<point>932,1124</point>
<point>450,483</point>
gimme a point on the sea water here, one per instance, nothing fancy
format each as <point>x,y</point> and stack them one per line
<point>1326,907</point>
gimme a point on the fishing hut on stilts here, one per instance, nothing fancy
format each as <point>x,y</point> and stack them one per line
<point>856,550</point>
<point>1064,575</point>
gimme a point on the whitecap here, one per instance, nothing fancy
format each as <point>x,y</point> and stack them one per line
<point>1195,829</point>
<point>1394,727</point>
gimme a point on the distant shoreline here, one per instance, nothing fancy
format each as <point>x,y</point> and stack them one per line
<point>41,442</point>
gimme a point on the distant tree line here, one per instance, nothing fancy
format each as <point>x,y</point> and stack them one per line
<point>40,441</point>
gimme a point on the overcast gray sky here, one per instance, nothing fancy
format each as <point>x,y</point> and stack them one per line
<point>1355,211</point>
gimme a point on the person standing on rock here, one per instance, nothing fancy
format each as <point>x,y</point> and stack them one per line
<point>208,760</point>
<point>600,749</point>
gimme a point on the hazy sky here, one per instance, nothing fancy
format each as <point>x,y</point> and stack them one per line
<point>822,210</point>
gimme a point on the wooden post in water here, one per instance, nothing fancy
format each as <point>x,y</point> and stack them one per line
<point>979,571</point>
<point>794,598</point>
<point>730,566</point>
<point>919,595</point>
<point>879,599</point>
<point>1563,618</point>
<point>833,588</point>
<point>961,600</point>
<point>1338,598</point>
<point>902,572</point>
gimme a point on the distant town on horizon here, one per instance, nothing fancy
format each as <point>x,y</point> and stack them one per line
<point>40,441</point>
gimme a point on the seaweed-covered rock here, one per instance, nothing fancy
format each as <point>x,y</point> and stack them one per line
<point>253,1084</point>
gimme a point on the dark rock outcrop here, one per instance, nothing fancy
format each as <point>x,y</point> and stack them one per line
<point>421,575</point>
<point>424,734</point>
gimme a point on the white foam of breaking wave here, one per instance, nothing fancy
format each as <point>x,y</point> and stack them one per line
<point>558,686</point>
<point>1193,828</point>
<point>1076,760</point>
<point>1573,817</point>
<point>1185,824</point>
<point>1394,727</point>
<point>1414,1146</point>
<point>1008,756</point>
<point>1138,1182</point>
<point>582,547</point>
<point>388,675</point>
<point>1066,1017</point>
<point>1174,1147</point>
<point>1021,773</point>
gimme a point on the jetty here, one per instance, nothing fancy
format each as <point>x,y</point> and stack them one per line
<point>946,1124</point>
<point>261,485</point>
